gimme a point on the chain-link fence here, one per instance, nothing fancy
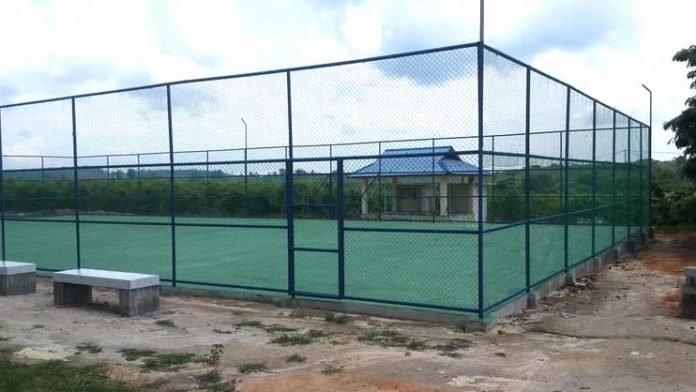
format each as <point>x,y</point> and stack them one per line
<point>455,178</point>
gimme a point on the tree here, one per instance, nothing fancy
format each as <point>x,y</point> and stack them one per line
<point>684,125</point>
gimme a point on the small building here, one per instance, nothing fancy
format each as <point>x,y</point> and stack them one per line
<point>423,182</point>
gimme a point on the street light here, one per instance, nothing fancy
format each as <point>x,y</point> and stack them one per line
<point>649,163</point>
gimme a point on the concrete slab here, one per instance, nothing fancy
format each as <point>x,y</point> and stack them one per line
<point>103,278</point>
<point>16,268</point>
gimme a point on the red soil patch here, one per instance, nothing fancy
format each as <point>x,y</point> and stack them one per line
<point>344,382</point>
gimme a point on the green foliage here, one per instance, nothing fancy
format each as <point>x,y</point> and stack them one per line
<point>684,125</point>
<point>169,362</point>
<point>57,376</point>
<point>673,196</point>
<point>295,358</point>
<point>252,367</point>
<point>389,338</point>
<point>133,354</point>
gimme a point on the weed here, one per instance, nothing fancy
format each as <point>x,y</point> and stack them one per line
<point>268,328</point>
<point>89,347</point>
<point>213,358</point>
<point>38,326</point>
<point>209,377</point>
<point>132,354</point>
<point>331,369</point>
<point>57,376</point>
<point>166,323</point>
<point>278,328</point>
<point>388,338</point>
<point>337,318</point>
<point>167,362</point>
<point>250,323</point>
<point>4,339</point>
<point>223,331</point>
<point>450,348</point>
<point>316,334</point>
<point>295,358</point>
<point>292,339</point>
<point>252,367</point>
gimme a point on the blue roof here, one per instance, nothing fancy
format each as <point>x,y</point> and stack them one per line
<point>397,162</point>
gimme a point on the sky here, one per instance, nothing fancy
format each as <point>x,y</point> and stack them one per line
<point>606,48</point>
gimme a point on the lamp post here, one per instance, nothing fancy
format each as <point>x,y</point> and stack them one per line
<point>649,162</point>
<point>246,185</point>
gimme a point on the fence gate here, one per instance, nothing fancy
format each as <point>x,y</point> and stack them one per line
<point>315,228</point>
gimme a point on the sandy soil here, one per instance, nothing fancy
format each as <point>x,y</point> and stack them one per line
<point>619,333</point>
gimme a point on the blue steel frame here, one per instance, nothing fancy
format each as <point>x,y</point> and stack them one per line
<point>480,152</point>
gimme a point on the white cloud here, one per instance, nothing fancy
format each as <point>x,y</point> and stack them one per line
<point>62,47</point>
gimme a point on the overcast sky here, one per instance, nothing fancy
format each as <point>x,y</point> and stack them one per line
<point>606,48</point>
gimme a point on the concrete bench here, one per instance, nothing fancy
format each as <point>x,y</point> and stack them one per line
<point>17,278</point>
<point>137,293</point>
<point>688,302</point>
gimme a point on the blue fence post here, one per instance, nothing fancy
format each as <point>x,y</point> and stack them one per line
<point>2,195</point>
<point>289,192</point>
<point>613,179</point>
<point>527,197</point>
<point>172,196</point>
<point>340,206</point>
<point>76,186</point>
<point>566,205</point>
<point>594,176</point>
<point>629,210</point>
<point>480,63</point>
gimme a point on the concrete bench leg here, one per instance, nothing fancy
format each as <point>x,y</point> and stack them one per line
<point>18,284</point>
<point>138,301</point>
<point>71,294</point>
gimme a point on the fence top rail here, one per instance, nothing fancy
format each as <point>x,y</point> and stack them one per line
<point>249,74</point>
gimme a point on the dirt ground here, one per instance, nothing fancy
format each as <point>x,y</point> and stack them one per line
<point>618,332</point>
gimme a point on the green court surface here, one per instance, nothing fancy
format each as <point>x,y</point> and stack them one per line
<point>424,268</point>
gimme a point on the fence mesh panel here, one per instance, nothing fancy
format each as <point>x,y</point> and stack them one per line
<point>373,180</point>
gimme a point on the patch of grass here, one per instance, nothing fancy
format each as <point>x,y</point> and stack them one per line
<point>278,328</point>
<point>223,331</point>
<point>450,348</point>
<point>209,377</point>
<point>316,334</point>
<point>337,318</point>
<point>268,328</point>
<point>331,369</point>
<point>250,323</point>
<point>133,354</point>
<point>292,339</point>
<point>252,367</point>
<point>57,376</point>
<point>295,358</point>
<point>38,326</point>
<point>166,323</point>
<point>168,362</point>
<point>389,338</point>
<point>89,347</point>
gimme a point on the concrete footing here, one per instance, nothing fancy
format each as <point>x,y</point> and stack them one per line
<point>17,278</point>
<point>688,302</point>
<point>18,284</point>
<point>138,301</point>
